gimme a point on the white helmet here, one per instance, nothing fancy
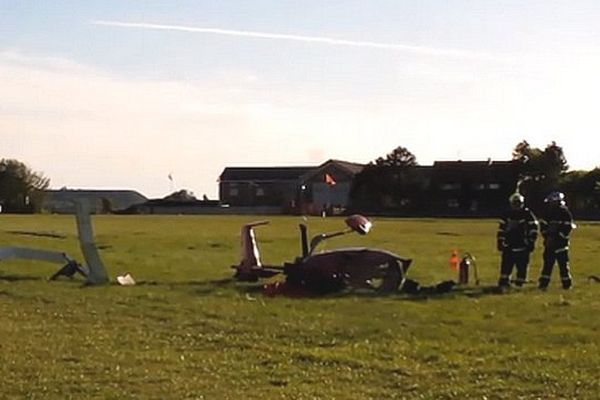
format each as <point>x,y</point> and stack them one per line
<point>555,198</point>
<point>516,200</point>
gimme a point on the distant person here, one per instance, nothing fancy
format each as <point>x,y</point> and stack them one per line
<point>517,233</point>
<point>324,210</point>
<point>556,225</point>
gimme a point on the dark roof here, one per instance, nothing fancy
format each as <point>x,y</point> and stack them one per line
<point>350,168</point>
<point>353,168</point>
<point>119,198</point>
<point>470,169</point>
<point>68,193</point>
<point>263,173</point>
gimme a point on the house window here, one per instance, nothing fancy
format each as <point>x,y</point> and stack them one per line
<point>452,203</point>
<point>233,191</point>
<point>450,186</point>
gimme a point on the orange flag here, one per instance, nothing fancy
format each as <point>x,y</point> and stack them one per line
<point>329,180</point>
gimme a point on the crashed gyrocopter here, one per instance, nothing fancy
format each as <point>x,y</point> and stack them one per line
<point>328,271</point>
<point>94,272</point>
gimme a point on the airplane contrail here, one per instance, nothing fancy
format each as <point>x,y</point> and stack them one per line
<point>430,51</point>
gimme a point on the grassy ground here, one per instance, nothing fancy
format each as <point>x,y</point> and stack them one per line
<point>187,331</point>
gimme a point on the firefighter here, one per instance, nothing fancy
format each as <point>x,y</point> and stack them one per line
<point>556,225</point>
<point>517,233</point>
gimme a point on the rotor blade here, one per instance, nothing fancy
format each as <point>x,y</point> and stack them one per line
<point>33,254</point>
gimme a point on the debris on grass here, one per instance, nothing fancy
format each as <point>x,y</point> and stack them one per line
<point>126,280</point>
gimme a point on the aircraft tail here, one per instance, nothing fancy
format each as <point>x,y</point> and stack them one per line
<point>250,255</point>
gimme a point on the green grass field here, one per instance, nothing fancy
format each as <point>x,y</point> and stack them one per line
<point>187,331</point>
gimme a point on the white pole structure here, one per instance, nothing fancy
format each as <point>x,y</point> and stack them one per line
<point>96,271</point>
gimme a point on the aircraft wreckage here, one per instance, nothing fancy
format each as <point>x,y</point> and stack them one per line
<point>93,271</point>
<point>327,271</point>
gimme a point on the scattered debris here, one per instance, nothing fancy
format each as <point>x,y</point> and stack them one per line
<point>126,280</point>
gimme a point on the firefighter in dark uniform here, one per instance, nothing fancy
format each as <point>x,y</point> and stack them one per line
<point>556,225</point>
<point>516,238</point>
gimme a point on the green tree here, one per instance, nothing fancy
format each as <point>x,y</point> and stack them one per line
<point>547,168</point>
<point>582,189</point>
<point>524,153</point>
<point>399,157</point>
<point>21,189</point>
<point>387,182</point>
<point>181,195</point>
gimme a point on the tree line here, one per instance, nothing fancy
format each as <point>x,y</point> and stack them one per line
<point>387,183</point>
<point>394,182</point>
<point>21,188</point>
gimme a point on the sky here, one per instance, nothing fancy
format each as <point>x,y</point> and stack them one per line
<point>123,94</point>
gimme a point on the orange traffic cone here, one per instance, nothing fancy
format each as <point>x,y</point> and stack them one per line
<point>454,262</point>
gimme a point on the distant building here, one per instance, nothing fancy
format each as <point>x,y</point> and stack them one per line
<point>446,188</point>
<point>327,187</point>
<point>472,187</point>
<point>260,186</point>
<point>289,189</point>
<point>101,201</point>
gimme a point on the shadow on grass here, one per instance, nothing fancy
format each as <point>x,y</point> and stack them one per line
<point>461,291</point>
<point>17,278</point>
<point>425,293</point>
<point>29,278</point>
<point>213,286</point>
<point>205,287</point>
<point>443,290</point>
<point>51,235</point>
